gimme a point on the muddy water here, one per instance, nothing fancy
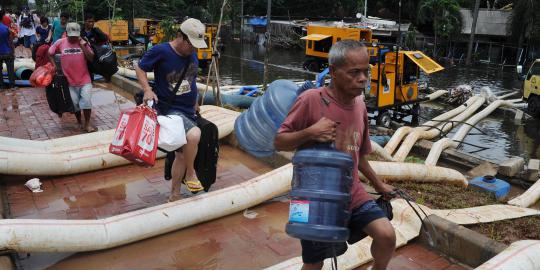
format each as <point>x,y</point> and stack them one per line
<point>503,137</point>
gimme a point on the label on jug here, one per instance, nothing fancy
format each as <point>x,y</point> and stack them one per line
<point>299,211</point>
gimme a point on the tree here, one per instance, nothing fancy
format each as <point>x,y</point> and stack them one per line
<point>473,32</point>
<point>445,16</point>
<point>525,22</point>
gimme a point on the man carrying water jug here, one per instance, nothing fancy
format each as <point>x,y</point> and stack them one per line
<point>337,113</point>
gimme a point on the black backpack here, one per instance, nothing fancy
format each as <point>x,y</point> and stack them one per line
<point>26,22</point>
<point>105,61</point>
<point>207,155</point>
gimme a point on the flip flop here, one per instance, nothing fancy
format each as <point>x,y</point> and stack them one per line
<point>193,186</point>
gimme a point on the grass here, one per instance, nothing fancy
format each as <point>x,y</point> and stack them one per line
<point>441,196</point>
<point>508,231</point>
<point>444,196</point>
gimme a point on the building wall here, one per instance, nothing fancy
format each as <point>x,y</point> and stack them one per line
<point>490,22</point>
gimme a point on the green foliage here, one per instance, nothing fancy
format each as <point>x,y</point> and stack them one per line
<point>525,21</point>
<point>444,14</point>
<point>169,29</point>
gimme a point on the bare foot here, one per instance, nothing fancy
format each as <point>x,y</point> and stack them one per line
<point>174,198</point>
<point>90,129</point>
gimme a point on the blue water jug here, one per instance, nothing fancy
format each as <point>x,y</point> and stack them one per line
<point>256,128</point>
<point>320,195</point>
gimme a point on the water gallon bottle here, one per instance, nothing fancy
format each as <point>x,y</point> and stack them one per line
<point>320,195</point>
<point>256,128</point>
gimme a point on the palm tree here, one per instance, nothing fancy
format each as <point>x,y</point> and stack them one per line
<point>445,17</point>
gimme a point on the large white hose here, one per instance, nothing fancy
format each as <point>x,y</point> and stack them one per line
<point>407,226</point>
<point>437,94</point>
<point>84,235</point>
<point>529,197</point>
<point>33,235</point>
<point>439,146</point>
<point>520,255</point>
<point>401,172</point>
<point>417,134</point>
<point>401,132</point>
<point>22,63</point>
<point>83,154</point>
<point>126,72</point>
<point>380,152</point>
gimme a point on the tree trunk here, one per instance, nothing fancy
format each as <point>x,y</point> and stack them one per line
<point>473,32</point>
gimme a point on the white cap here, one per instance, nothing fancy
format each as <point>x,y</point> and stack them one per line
<point>195,30</point>
<point>73,30</point>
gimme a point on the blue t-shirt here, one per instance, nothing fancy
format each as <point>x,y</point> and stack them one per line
<point>58,30</point>
<point>43,33</point>
<point>167,66</point>
<point>4,40</point>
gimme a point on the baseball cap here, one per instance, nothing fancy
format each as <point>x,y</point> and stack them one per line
<point>194,30</point>
<point>73,29</point>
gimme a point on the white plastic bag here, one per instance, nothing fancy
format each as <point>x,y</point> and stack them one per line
<point>171,132</point>
<point>34,185</point>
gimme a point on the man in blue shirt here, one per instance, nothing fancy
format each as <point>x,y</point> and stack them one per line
<point>168,62</point>
<point>59,26</point>
<point>6,54</point>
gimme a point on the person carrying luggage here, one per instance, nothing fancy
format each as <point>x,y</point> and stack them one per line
<point>175,67</point>
<point>74,52</point>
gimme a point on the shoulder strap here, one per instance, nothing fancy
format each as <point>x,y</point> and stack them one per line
<point>177,86</point>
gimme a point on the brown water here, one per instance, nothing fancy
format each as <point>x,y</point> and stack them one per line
<point>503,137</point>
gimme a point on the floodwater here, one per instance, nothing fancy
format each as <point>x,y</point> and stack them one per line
<point>502,137</point>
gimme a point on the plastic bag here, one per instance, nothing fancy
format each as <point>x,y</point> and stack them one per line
<point>42,76</point>
<point>136,136</point>
<point>171,132</point>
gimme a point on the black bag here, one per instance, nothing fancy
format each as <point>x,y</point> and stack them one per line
<point>58,95</point>
<point>207,155</point>
<point>105,61</point>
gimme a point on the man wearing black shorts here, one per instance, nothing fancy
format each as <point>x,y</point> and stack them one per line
<point>337,113</point>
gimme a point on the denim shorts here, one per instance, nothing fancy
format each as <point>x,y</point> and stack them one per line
<point>81,97</point>
<point>314,252</point>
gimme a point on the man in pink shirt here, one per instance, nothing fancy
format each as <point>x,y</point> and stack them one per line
<point>338,114</point>
<point>74,52</point>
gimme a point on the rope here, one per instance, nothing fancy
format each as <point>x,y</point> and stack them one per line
<point>213,64</point>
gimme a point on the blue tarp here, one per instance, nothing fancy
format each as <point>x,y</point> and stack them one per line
<point>259,21</point>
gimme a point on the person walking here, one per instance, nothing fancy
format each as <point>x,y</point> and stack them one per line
<point>338,114</point>
<point>27,29</point>
<point>74,53</point>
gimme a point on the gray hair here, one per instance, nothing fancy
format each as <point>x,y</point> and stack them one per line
<point>338,52</point>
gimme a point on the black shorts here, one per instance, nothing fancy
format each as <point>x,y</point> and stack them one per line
<point>314,252</point>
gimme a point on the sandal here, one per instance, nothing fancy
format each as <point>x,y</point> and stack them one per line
<point>193,186</point>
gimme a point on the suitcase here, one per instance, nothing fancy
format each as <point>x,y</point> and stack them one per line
<point>58,95</point>
<point>207,155</point>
